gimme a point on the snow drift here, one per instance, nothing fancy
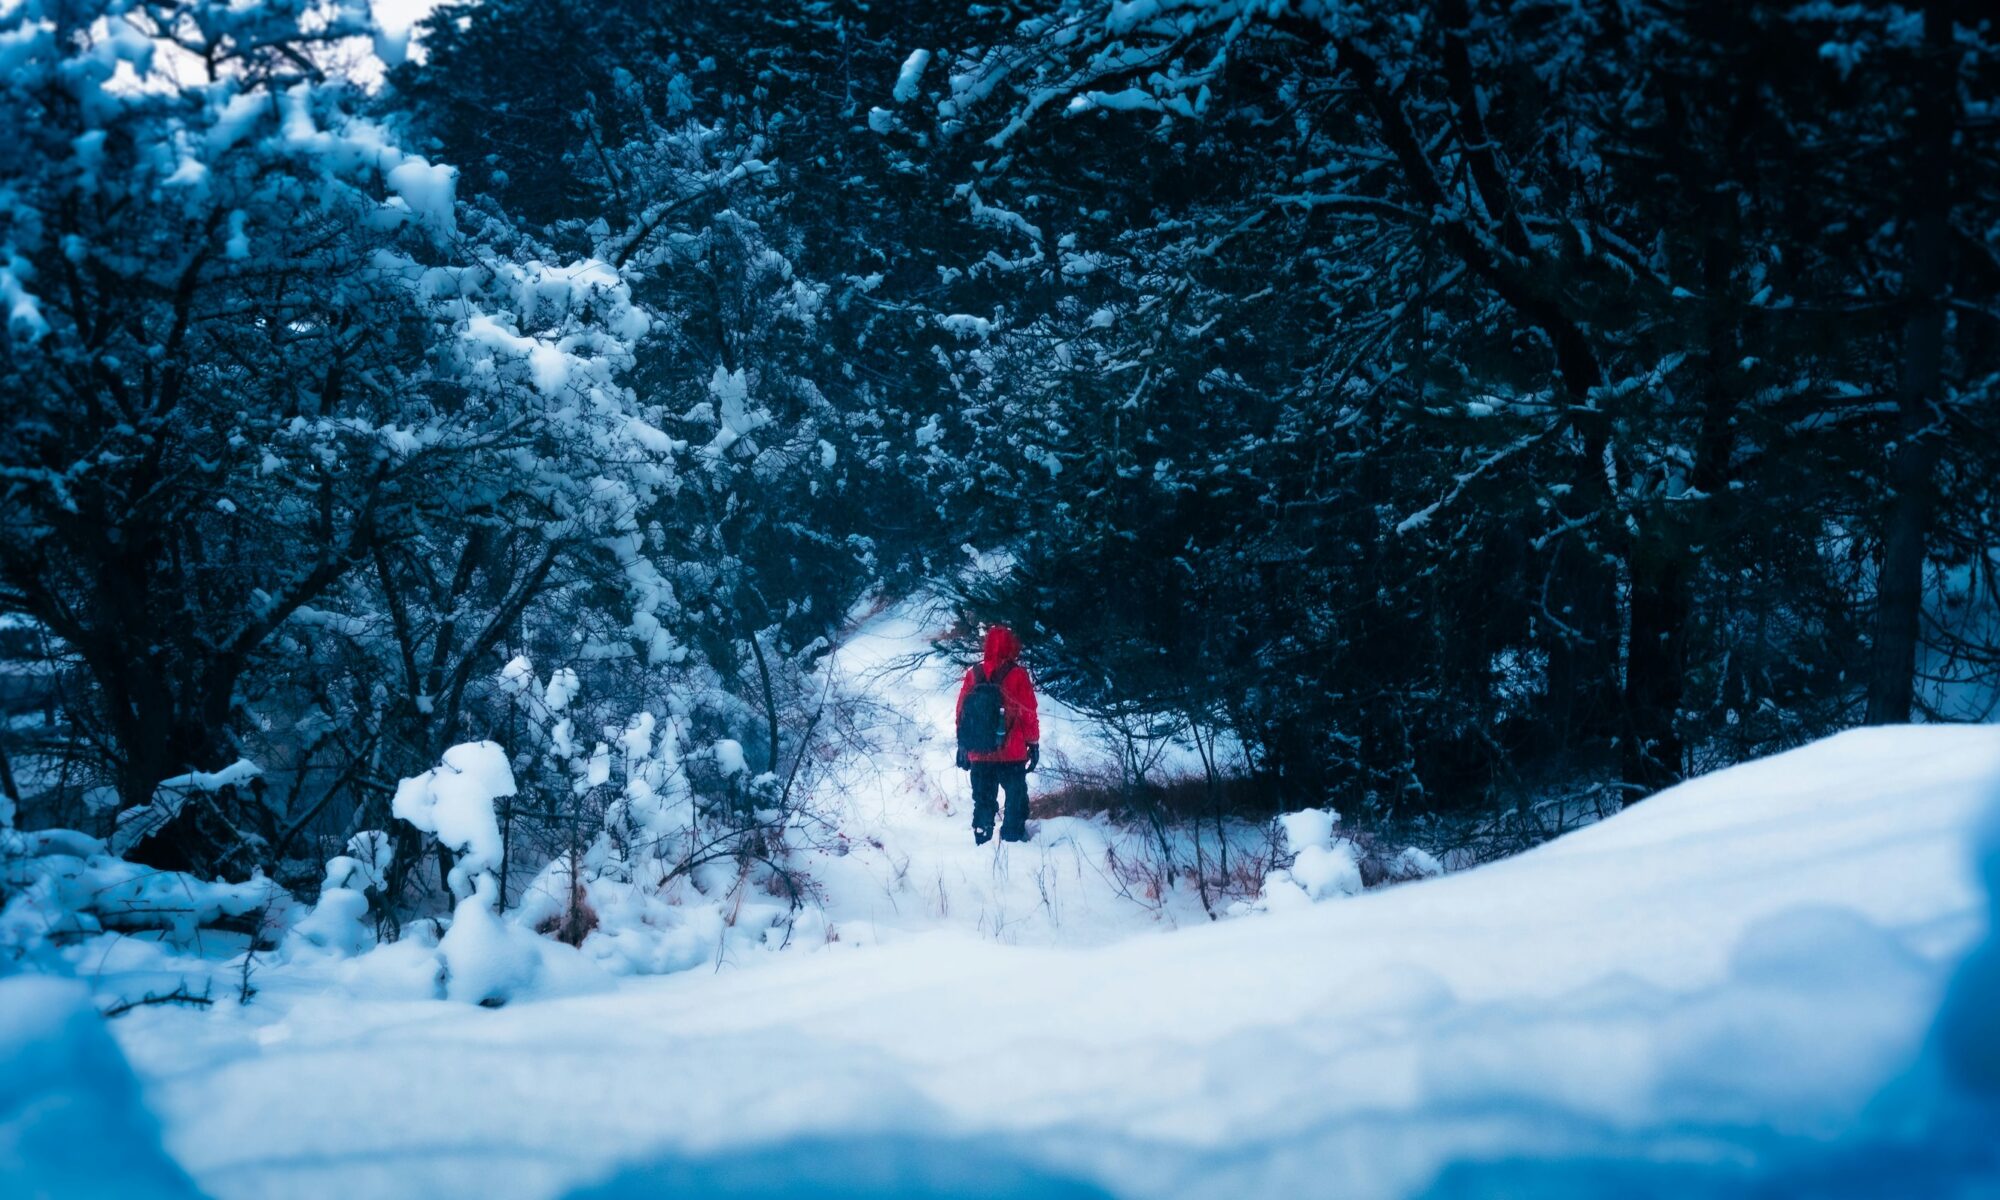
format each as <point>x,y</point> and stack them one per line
<point>1737,981</point>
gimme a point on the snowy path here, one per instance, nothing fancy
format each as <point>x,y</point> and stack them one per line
<point>1759,949</point>
<point>912,868</point>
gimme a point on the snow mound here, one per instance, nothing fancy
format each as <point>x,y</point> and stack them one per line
<point>908,1168</point>
<point>1733,988</point>
<point>487,961</point>
<point>1969,1026</point>
<point>71,1124</point>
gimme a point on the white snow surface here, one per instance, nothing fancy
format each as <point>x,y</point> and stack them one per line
<point>71,1122</point>
<point>1738,976</point>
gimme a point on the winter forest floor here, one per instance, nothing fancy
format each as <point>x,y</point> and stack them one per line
<point>1730,987</point>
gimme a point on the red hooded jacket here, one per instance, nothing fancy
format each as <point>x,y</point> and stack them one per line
<point>1017,693</point>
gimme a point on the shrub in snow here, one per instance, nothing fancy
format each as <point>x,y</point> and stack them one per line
<point>665,883</point>
<point>557,904</point>
<point>137,824</point>
<point>338,922</point>
<point>1322,865</point>
<point>62,884</point>
<point>662,883</point>
<point>1325,864</point>
<point>482,959</point>
<point>1413,863</point>
<point>1330,870</point>
<point>1308,827</point>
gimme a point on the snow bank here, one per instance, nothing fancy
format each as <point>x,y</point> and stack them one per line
<point>1731,980</point>
<point>1969,1026</point>
<point>71,1122</point>
<point>848,1168</point>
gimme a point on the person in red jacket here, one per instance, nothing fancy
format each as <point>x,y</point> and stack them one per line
<point>1019,753</point>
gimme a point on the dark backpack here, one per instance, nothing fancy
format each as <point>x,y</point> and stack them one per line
<point>982,720</point>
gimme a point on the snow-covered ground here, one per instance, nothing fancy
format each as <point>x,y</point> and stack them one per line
<point>1732,986</point>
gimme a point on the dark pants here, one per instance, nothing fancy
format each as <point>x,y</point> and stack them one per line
<point>987,779</point>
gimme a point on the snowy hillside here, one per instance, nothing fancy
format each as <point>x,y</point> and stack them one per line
<point>1735,978</point>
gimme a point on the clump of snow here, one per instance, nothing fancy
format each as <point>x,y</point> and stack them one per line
<point>1322,866</point>
<point>338,923</point>
<point>965,326</point>
<point>729,757</point>
<point>335,925</point>
<point>1307,828</point>
<point>911,75</point>
<point>1330,870</point>
<point>487,960</point>
<point>23,308</point>
<point>371,852</point>
<point>562,689</point>
<point>454,800</point>
<point>1413,862</point>
<point>735,417</point>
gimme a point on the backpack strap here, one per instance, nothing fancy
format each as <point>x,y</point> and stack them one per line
<point>1002,674</point>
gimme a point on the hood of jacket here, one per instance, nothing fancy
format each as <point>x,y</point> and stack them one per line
<point>1002,647</point>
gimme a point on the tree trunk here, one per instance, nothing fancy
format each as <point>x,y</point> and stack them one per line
<point>1899,590</point>
<point>1655,668</point>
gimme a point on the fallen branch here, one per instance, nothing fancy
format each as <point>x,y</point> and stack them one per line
<point>179,995</point>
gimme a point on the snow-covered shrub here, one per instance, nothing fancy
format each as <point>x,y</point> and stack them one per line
<point>1413,862</point>
<point>689,855</point>
<point>1326,862</point>
<point>1322,865</point>
<point>171,798</point>
<point>657,888</point>
<point>488,960</point>
<point>62,885</point>
<point>454,801</point>
<point>337,923</point>
<point>483,958</point>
